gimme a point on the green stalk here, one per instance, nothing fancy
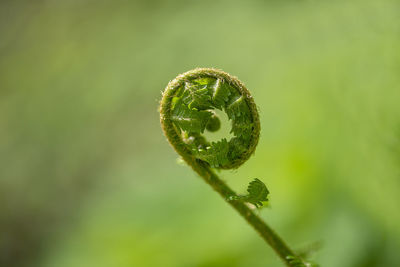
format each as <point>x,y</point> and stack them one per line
<point>208,175</point>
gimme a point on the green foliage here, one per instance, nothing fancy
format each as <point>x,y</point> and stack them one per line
<point>216,154</point>
<point>257,193</point>
<point>221,94</point>
<point>190,120</point>
<point>194,95</point>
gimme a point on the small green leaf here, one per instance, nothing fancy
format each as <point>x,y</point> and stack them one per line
<point>189,120</point>
<point>237,108</point>
<point>221,94</point>
<point>257,193</point>
<point>216,154</point>
<point>197,96</point>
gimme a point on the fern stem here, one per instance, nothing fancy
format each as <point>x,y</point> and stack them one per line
<point>185,113</point>
<point>209,176</point>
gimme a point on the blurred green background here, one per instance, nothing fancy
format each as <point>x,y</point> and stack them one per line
<point>88,179</point>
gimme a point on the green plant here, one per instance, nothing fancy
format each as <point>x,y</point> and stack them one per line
<point>186,111</point>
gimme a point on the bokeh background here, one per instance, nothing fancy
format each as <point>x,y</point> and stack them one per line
<point>88,179</point>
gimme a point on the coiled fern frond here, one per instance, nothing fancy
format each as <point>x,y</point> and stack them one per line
<point>187,110</point>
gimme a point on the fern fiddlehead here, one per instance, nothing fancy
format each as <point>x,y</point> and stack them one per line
<point>186,111</point>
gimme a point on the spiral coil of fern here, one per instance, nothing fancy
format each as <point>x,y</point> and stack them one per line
<point>186,112</point>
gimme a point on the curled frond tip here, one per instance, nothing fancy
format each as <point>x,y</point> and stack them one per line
<point>186,111</point>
